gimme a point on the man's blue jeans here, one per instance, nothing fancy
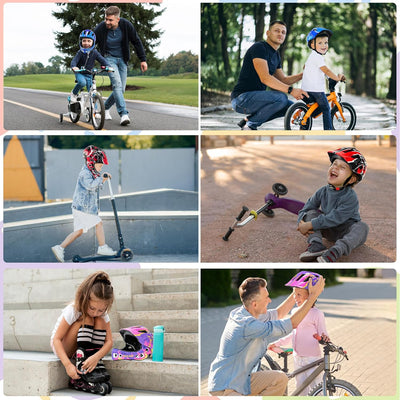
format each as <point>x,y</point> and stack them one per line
<point>261,105</point>
<point>323,106</point>
<point>118,82</point>
<point>82,80</point>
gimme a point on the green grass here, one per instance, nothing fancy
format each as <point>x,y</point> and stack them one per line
<point>182,91</point>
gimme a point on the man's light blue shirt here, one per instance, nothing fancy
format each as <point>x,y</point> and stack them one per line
<point>243,343</point>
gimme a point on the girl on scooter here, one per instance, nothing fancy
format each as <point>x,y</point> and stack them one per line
<point>85,208</point>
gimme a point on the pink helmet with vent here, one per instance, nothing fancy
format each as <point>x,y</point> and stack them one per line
<point>301,279</point>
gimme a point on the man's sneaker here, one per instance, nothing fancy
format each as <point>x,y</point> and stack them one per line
<point>105,250</point>
<point>328,256</point>
<point>314,250</point>
<point>125,120</point>
<point>107,114</point>
<point>58,252</point>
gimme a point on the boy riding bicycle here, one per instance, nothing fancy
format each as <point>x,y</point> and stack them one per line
<point>85,58</point>
<point>315,70</point>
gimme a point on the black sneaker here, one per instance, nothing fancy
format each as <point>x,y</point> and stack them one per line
<point>314,250</point>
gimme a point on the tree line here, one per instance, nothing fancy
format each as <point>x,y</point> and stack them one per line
<point>363,45</point>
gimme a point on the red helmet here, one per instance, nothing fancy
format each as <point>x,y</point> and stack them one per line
<point>92,155</point>
<point>353,158</point>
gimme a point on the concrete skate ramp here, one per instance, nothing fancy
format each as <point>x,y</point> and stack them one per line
<point>150,200</point>
<point>145,232</point>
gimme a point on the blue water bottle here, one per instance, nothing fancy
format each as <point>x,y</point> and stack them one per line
<point>158,343</point>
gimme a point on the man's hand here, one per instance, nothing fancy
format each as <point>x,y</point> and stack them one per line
<point>318,288</point>
<point>298,94</point>
<point>143,66</point>
<point>305,227</point>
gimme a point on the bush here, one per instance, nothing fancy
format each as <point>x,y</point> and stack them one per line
<point>215,286</point>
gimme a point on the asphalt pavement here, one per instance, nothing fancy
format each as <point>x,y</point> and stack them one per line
<point>372,114</point>
<point>28,109</point>
<point>361,316</point>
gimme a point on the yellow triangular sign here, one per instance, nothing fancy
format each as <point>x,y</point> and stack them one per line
<point>19,181</point>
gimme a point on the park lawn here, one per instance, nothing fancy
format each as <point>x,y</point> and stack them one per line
<point>182,91</point>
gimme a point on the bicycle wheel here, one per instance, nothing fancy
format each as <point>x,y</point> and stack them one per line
<point>338,388</point>
<point>74,116</point>
<point>349,114</point>
<point>98,112</point>
<point>294,115</point>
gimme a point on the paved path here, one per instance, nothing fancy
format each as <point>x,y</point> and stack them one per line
<point>243,175</point>
<point>371,115</point>
<point>361,317</point>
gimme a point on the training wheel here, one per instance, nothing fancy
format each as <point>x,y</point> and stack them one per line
<point>61,118</point>
<point>279,189</point>
<point>126,254</point>
<point>269,213</point>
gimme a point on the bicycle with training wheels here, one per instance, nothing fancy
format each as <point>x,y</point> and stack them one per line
<point>89,105</point>
<point>330,386</point>
<point>300,115</point>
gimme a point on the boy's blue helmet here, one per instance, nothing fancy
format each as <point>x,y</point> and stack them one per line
<point>316,32</point>
<point>89,34</point>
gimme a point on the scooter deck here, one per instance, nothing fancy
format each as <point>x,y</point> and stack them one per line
<point>95,258</point>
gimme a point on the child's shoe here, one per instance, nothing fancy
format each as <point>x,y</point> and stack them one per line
<point>73,97</point>
<point>58,252</point>
<point>105,250</point>
<point>314,250</point>
<point>328,256</point>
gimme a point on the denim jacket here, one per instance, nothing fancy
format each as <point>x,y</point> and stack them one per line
<point>86,195</point>
<point>243,343</point>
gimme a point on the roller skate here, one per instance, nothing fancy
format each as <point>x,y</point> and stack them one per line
<point>97,381</point>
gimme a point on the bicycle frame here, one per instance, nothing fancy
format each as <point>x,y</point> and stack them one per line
<point>332,99</point>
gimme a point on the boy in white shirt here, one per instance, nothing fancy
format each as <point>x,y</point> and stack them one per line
<point>315,70</point>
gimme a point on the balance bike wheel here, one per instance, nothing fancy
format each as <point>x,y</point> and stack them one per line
<point>126,254</point>
<point>269,213</point>
<point>279,189</point>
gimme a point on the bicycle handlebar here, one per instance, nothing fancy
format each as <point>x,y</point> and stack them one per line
<point>95,70</point>
<point>330,346</point>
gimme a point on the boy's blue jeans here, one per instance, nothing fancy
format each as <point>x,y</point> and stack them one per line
<point>346,237</point>
<point>262,105</point>
<point>320,98</point>
<point>82,80</point>
<point>118,82</point>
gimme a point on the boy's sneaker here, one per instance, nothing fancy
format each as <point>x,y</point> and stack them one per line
<point>73,98</point>
<point>105,250</point>
<point>125,120</point>
<point>314,250</point>
<point>328,256</point>
<point>58,252</point>
<point>107,114</point>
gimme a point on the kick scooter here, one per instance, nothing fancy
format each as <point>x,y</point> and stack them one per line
<point>123,253</point>
<point>272,200</point>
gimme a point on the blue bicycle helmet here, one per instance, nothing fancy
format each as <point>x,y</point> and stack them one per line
<point>318,31</point>
<point>89,34</point>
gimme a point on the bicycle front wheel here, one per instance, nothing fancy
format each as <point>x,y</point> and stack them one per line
<point>337,388</point>
<point>294,116</point>
<point>348,122</point>
<point>98,112</point>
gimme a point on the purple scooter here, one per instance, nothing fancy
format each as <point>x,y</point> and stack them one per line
<point>272,200</point>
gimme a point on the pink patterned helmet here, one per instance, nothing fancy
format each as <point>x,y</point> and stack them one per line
<point>138,344</point>
<point>301,279</point>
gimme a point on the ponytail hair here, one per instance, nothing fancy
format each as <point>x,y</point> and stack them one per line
<point>96,285</point>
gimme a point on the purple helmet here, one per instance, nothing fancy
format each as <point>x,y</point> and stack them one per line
<point>138,344</point>
<point>301,279</point>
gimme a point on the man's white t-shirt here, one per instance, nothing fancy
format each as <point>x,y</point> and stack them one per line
<point>313,78</point>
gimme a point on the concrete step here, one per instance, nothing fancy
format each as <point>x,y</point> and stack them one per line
<point>148,200</point>
<point>179,321</point>
<point>171,285</point>
<point>176,345</point>
<point>43,374</point>
<point>165,301</point>
<point>145,233</point>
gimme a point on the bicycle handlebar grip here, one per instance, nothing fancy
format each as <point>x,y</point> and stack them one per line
<point>227,234</point>
<point>106,175</point>
<point>244,211</point>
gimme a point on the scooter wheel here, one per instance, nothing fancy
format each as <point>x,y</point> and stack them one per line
<point>279,189</point>
<point>126,254</point>
<point>75,259</point>
<point>61,118</point>
<point>269,213</point>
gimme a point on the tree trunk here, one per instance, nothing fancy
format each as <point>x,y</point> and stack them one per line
<point>259,15</point>
<point>224,40</point>
<point>372,49</point>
